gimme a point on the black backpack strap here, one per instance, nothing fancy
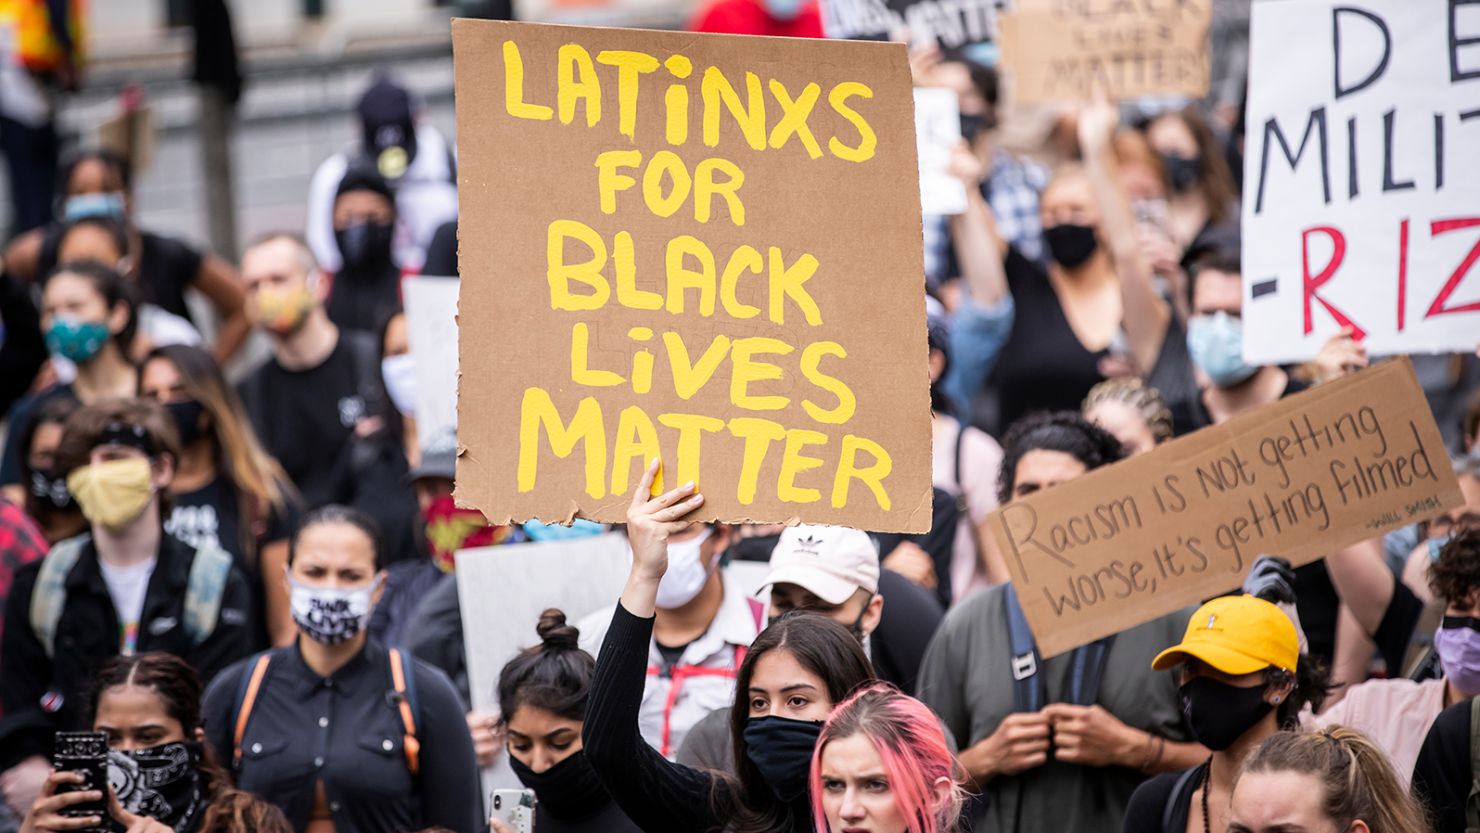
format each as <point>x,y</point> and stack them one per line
<point>1027,688</point>
<point>1181,794</point>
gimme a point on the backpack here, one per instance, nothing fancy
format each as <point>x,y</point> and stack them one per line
<point>403,681</point>
<point>209,572</point>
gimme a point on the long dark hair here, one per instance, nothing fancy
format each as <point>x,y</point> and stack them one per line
<point>554,675</point>
<point>819,645</point>
<point>258,480</point>
<point>228,810</point>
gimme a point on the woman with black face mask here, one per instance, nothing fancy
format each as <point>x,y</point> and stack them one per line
<point>1242,680</point>
<point>788,683</point>
<point>48,500</point>
<point>341,733</point>
<point>1091,308</point>
<point>161,778</point>
<point>543,694</point>
<point>366,290</point>
<point>1202,192</point>
<point>228,492</point>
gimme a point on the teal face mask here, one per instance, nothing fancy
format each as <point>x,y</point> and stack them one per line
<point>76,340</point>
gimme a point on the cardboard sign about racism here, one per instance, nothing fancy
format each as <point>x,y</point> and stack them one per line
<point>950,23</point>
<point>1360,180</point>
<point>937,131</point>
<point>702,248</point>
<point>1053,50</point>
<point>1300,478</point>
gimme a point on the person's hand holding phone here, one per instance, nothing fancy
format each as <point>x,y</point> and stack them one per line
<point>47,813</point>
<point>132,823</point>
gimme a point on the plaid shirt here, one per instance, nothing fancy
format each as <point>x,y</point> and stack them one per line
<point>20,544</point>
<point>1011,190</point>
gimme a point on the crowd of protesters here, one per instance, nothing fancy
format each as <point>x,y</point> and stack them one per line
<point>250,588</point>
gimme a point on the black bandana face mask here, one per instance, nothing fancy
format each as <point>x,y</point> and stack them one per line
<point>569,790</point>
<point>781,748</point>
<point>161,782</point>
<point>52,491</point>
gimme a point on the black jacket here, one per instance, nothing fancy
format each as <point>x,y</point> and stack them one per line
<point>42,694</point>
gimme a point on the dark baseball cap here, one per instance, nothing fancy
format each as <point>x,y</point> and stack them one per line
<point>387,119</point>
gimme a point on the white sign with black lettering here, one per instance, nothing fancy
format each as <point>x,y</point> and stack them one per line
<point>1360,182</point>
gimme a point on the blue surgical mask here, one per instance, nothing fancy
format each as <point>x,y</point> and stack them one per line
<point>1216,343</point>
<point>783,10</point>
<point>94,205</point>
<point>1436,546</point>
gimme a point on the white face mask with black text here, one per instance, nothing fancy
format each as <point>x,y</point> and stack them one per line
<point>687,571</point>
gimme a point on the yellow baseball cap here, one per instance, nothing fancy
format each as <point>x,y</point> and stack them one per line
<point>1236,635</point>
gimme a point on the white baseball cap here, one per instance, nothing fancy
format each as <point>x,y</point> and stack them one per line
<point>830,562</point>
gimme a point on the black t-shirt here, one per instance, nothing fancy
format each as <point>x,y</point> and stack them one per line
<point>1043,365</point>
<point>364,299</point>
<point>306,418</point>
<point>910,618</point>
<point>1444,771</point>
<point>211,516</point>
<point>1149,812</point>
<point>441,259</point>
<point>166,267</point>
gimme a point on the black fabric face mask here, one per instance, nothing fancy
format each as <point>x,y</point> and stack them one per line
<point>971,125</point>
<point>1181,173</point>
<point>187,419</point>
<point>1220,713</point>
<point>1069,244</point>
<point>781,749</point>
<point>161,782</point>
<point>569,790</point>
<point>364,244</point>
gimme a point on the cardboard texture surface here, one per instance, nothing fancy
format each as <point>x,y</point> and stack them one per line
<point>1360,186</point>
<point>717,259</point>
<point>1057,51</point>
<point>1300,478</point>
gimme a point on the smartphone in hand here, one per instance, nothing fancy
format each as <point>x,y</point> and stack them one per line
<point>85,753</point>
<point>515,808</point>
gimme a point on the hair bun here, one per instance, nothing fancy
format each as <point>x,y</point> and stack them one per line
<point>555,633</point>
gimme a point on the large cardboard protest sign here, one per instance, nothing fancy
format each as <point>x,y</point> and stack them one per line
<point>952,24</point>
<point>1300,478</point>
<point>1360,178</point>
<point>1070,50</point>
<point>699,247</point>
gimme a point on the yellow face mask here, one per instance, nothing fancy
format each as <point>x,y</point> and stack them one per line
<point>283,312</point>
<point>113,493</point>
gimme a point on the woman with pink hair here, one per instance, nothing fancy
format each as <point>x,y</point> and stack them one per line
<point>882,766</point>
